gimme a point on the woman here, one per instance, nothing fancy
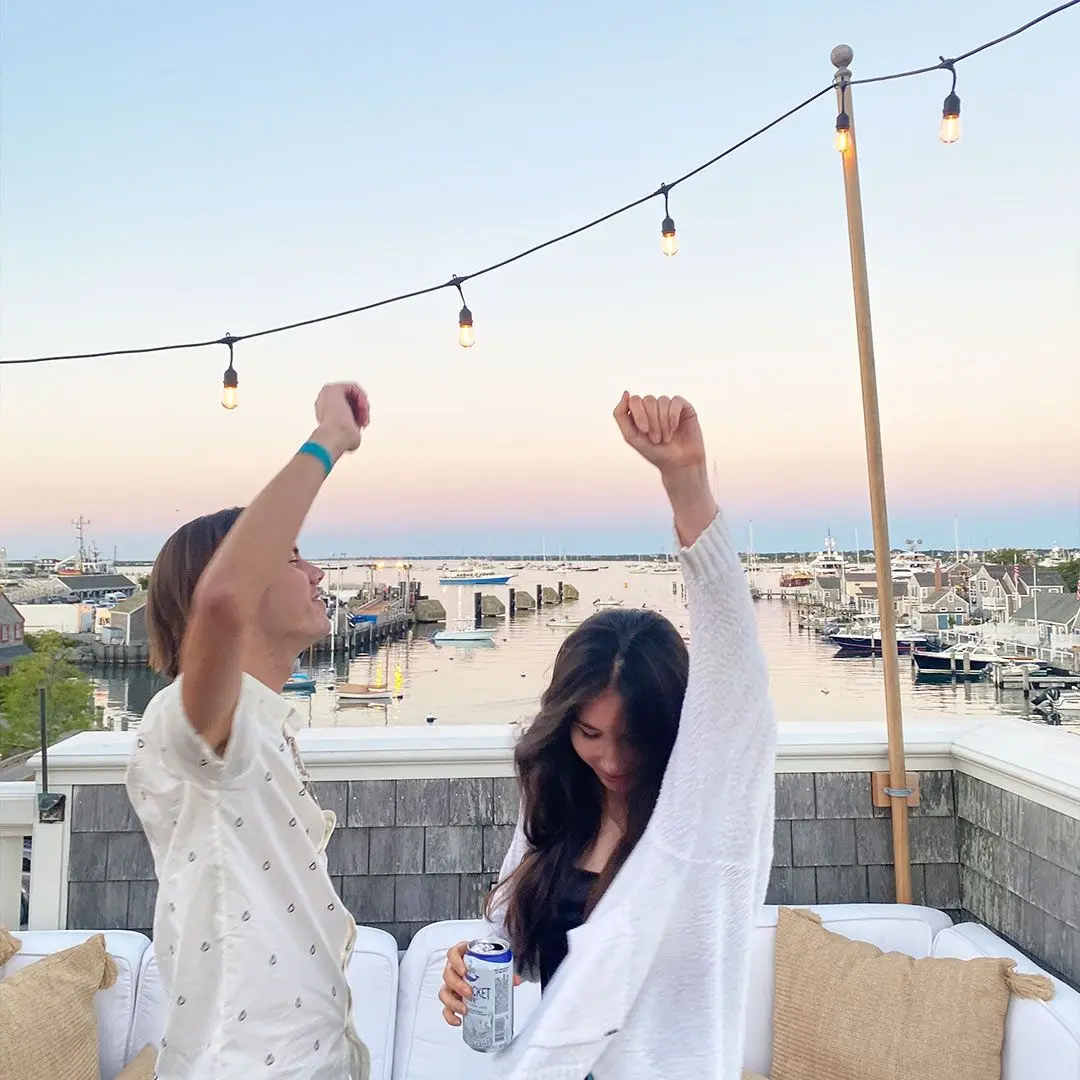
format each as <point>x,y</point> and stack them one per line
<point>645,836</point>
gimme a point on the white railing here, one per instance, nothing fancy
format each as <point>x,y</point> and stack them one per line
<point>18,809</point>
<point>1055,647</point>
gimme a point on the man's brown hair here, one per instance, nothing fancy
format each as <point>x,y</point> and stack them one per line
<point>176,572</point>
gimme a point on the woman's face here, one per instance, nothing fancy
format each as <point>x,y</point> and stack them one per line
<point>599,739</point>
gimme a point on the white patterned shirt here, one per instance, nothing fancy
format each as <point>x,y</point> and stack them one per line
<point>250,937</point>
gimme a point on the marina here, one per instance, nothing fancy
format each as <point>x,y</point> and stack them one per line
<point>444,672</point>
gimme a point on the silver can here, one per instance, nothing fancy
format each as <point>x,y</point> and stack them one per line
<point>488,1024</point>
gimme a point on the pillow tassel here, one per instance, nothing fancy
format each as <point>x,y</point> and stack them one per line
<point>1036,987</point>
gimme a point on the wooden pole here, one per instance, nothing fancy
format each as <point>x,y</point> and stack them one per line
<point>898,791</point>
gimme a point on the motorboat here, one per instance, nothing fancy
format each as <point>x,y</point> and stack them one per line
<point>869,644</point>
<point>362,693</point>
<point>300,682</point>
<point>470,574</point>
<point>961,661</point>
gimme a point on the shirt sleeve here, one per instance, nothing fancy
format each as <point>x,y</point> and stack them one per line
<point>716,801</point>
<point>168,734</point>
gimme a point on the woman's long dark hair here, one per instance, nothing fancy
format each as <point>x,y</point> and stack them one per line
<point>640,656</point>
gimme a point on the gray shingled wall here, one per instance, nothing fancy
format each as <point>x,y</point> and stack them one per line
<point>832,846</point>
<point>1020,872</point>
<point>409,852</point>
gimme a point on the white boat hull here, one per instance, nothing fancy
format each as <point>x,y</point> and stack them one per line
<point>463,635</point>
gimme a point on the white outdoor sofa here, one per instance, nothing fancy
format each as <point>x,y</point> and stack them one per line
<point>396,1012</point>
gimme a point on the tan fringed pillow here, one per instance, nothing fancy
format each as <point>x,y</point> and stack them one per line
<point>9,946</point>
<point>748,1075</point>
<point>141,1066</point>
<point>48,1027</point>
<point>844,1010</point>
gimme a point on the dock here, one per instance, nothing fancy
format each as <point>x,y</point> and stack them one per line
<point>347,641</point>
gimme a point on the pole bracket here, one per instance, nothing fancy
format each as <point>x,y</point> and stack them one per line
<point>883,793</point>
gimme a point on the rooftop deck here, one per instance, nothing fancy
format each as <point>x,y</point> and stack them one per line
<point>425,815</point>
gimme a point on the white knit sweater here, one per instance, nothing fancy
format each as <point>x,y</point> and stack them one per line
<point>654,984</point>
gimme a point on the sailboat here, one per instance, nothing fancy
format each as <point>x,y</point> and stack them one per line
<point>462,631</point>
<point>751,563</point>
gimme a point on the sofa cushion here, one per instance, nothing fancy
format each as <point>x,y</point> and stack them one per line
<point>425,1045</point>
<point>846,1011</point>
<point>9,946</point>
<point>47,1024</point>
<point>115,1007</point>
<point>1042,1038</point>
<point>373,981</point>
<point>891,927</point>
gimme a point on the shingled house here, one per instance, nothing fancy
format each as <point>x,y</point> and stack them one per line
<point>12,626</point>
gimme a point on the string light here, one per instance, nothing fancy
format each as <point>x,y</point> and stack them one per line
<point>669,242</point>
<point>844,139</point>
<point>466,337</point>
<point>949,132</point>
<point>230,397</point>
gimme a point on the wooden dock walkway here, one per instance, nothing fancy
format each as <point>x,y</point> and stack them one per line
<point>348,641</point>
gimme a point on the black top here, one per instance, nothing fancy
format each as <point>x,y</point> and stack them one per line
<point>569,912</point>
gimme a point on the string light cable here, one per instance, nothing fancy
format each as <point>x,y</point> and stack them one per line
<point>949,132</point>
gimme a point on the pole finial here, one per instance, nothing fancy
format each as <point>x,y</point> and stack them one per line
<point>841,58</point>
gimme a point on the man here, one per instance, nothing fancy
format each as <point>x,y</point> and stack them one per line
<point>250,936</point>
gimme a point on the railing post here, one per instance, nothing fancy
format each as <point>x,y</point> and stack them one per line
<point>18,805</point>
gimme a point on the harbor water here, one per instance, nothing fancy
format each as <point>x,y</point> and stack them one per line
<point>501,681</point>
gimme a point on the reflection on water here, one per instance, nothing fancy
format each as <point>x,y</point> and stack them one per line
<point>501,681</point>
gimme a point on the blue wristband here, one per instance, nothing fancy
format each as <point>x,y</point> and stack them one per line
<point>320,453</point>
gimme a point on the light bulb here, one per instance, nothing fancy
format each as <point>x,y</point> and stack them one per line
<point>844,141</point>
<point>466,334</point>
<point>669,242</point>
<point>949,131</point>
<point>230,396</point>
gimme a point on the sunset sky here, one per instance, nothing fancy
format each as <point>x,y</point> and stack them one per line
<point>176,173</point>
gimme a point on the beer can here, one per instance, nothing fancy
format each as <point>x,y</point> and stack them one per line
<point>488,1024</point>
